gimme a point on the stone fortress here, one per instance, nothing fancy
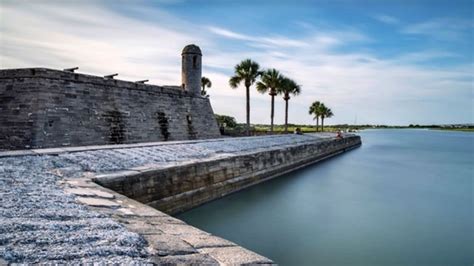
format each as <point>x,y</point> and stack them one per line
<point>43,108</point>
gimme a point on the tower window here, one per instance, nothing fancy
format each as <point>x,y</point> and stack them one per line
<point>194,61</point>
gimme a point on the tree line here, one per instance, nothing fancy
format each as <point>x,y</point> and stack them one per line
<point>269,81</point>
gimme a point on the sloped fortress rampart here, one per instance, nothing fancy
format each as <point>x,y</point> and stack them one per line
<point>41,108</point>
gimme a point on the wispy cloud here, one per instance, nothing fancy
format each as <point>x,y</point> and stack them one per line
<point>314,38</point>
<point>442,28</point>
<point>229,34</point>
<point>425,56</point>
<point>387,19</point>
<point>267,41</point>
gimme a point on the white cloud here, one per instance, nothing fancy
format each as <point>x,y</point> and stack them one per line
<point>283,42</point>
<point>265,42</point>
<point>92,37</point>
<point>229,34</point>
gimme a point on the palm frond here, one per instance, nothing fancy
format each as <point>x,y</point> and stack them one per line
<point>205,82</point>
<point>246,71</point>
<point>314,108</point>
<point>289,86</point>
<point>262,87</point>
<point>234,81</point>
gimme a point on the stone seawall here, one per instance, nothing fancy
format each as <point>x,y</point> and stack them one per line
<point>53,212</point>
<point>178,188</point>
<point>42,108</point>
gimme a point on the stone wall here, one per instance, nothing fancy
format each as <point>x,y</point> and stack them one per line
<point>41,108</point>
<point>181,187</point>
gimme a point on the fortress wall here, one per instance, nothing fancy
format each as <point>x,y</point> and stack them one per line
<point>43,108</point>
<point>179,188</point>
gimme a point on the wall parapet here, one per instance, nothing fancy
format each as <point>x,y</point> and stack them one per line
<point>55,74</point>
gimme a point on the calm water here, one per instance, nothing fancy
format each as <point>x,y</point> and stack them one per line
<point>404,198</point>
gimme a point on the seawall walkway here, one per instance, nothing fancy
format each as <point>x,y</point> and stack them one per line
<point>51,210</point>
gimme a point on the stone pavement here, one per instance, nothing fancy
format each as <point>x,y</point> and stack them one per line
<point>51,212</point>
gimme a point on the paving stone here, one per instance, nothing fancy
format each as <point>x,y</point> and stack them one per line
<point>188,259</point>
<point>235,255</point>
<point>80,192</point>
<point>116,174</point>
<point>181,229</point>
<point>138,208</point>
<point>97,202</point>
<point>102,194</point>
<point>206,241</point>
<point>140,226</point>
<point>126,211</point>
<point>164,245</point>
<point>81,182</point>
<point>164,220</point>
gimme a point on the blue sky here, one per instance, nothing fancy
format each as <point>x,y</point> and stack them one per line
<point>380,62</point>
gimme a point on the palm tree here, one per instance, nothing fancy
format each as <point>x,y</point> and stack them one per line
<point>325,113</point>
<point>314,109</point>
<point>205,82</point>
<point>288,87</point>
<point>247,72</point>
<point>270,81</point>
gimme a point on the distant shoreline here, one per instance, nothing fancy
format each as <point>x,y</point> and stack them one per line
<point>426,128</point>
<point>262,129</point>
<point>468,129</point>
<point>462,129</point>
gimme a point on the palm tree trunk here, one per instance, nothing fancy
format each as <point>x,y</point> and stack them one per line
<point>317,123</point>
<point>272,113</point>
<point>248,111</point>
<point>286,116</point>
<point>322,123</point>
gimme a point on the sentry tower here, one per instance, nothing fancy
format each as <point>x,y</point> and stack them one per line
<point>191,69</point>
